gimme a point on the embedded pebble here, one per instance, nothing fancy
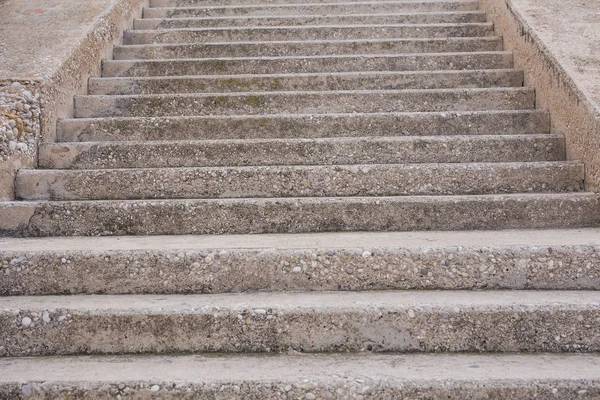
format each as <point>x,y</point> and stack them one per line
<point>155,388</point>
<point>26,321</point>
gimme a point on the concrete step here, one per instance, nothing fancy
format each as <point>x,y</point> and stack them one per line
<point>307,64</point>
<point>318,102</point>
<point>324,7</point>
<point>299,181</point>
<point>306,32</point>
<point>448,376</point>
<point>331,19</point>
<point>389,80</point>
<point>307,48</point>
<point>540,259</point>
<point>508,122</point>
<point>199,3</point>
<point>321,151</point>
<point>299,215</point>
<point>416,321</point>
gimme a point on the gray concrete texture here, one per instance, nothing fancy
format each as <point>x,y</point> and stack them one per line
<point>387,377</point>
<point>559,259</point>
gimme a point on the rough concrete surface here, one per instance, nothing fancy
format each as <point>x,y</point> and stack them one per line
<point>558,45</point>
<point>299,215</point>
<point>289,126</point>
<point>560,259</point>
<point>63,44</point>
<point>415,321</point>
<point>386,377</point>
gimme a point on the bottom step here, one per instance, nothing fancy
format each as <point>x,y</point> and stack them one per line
<point>305,377</point>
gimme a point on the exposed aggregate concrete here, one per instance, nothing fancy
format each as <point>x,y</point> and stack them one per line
<point>302,82</point>
<point>307,64</point>
<point>340,19</point>
<point>308,48</point>
<point>322,151</point>
<point>19,118</point>
<point>219,270</point>
<point>318,102</point>
<point>308,322</point>
<point>360,377</point>
<point>218,9</point>
<point>304,126</point>
<point>308,32</point>
<point>297,215</point>
<point>300,181</point>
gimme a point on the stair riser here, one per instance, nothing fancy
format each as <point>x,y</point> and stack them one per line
<point>304,126</point>
<point>305,33</point>
<point>408,62</point>
<point>364,81</point>
<point>321,329</point>
<point>232,216</point>
<point>308,9</point>
<point>313,48</point>
<point>242,270</point>
<point>359,180</point>
<point>361,19</point>
<point>304,103</point>
<point>303,152</point>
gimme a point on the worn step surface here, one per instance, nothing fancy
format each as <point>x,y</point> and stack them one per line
<point>305,32</point>
<point>335,81</point>
<point>318,102</point>
<point>386,377</point>
<point>312,8</point>
<point>308,48</point>
<point>454,321</point>
<point>322,151</point>
<point>299,181</point>
<point>542,259</point>
<point>331,19</point>
<point>508,122</point>
<point>298,215</point>
<point>306,64</point>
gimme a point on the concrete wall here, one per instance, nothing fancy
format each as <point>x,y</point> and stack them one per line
<point>557,43</point>
<point>49,49</point>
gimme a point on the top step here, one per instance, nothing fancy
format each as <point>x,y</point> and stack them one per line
<point>438,4</point>
<point>327,7</point>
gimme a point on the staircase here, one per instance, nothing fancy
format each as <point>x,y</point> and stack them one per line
<point>326,181</point>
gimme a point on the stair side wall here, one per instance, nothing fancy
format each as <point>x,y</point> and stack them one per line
<point>48,66</point>
<point>557,45</point>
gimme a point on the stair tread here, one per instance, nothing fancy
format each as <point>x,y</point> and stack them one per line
<point>319,301</point>
<point>451,240</point>
<point>334,56</point>
<point>324,372</point>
